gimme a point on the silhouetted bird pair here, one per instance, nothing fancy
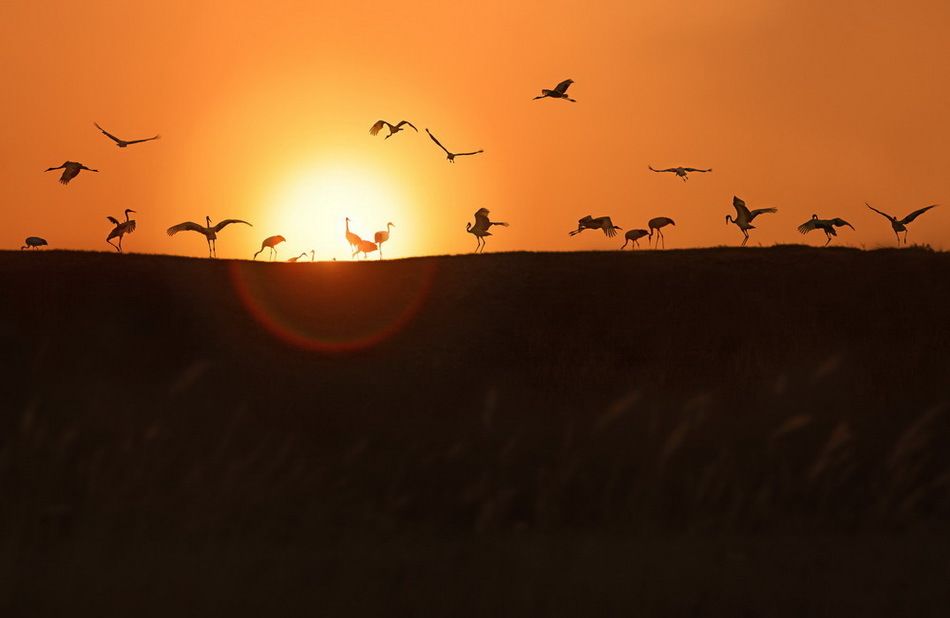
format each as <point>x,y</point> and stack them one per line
<point>610,230</point>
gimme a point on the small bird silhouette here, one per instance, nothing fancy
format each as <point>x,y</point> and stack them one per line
<point>481,227</point>
<point>297,257</point>
<point>595,223</point>
<point>900,225</point>
<point>271,243</point>
<point>744,217</point>
<point>655,225</point>
<point>633,236</point>
<point>70,169</point>
<point>210,233</point>
<point>121,229</point>
<point>393,129</point>
<point>122,143</point>
<point>451,155</point>
<point>32,242</point>
<point>680,171</point>
<point>825,225</point>
<point>381,237</point>
<point>559,91</point>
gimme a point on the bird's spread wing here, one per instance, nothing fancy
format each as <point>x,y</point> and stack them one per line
<point>761,211</point>
<point>107,134</point>
<point>113,220</point>
<point>187,226</point>
<point>147,139</point>
<point>222,224</point>
<point>669,169</point>
<point>883,214</point>
<point>437,142</point>
<point>741,209</point>
<point>563,86</point>
<point>501,223</point>
<point>839,222</point>
<point>917,213</point>
<point>373,130</point>
<point>808,226</point>
<point>402,122</point>
<point>694,169</point>
<point>463,154</point>
<point>481,221</point>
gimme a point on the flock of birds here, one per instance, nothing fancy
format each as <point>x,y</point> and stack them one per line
<point>480,229</point>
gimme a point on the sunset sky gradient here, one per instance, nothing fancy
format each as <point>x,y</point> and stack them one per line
<point>264,110</point>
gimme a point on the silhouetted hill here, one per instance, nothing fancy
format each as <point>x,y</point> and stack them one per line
<point>675,433</point>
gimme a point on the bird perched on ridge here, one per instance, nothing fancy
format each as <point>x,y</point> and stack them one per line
<point>633,236</point>
<point>744,217</point>
<point>559,92</point>
<point>70,169</point>
<point>825,225</point>
<point>32,242</point>
<point>655,224</point>
<point>210,233</point>
<point>393,129</point>
<point>122,143</point>
<point>481,227</point>
<point>900,225</point>
<point>121,229</point>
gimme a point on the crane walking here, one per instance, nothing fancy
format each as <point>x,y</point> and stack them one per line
<point>121,229</point>
<point>353,239</point>
<point>825,225</point>
<point>558,92</point>
<point>271,243</point>
<point>655,225</point>
<point>364,247</point>
<point>381,237</point>
<point>595,223</point>
<point>900,225</point>
<point>744,217</point>
<point>481,227</point>
<point>633,236</point>
<point>70,169</point>
<point>210,233</point>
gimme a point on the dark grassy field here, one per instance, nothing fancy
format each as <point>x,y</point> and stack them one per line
<point>709,432</point>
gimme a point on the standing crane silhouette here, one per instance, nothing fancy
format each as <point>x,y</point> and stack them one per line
<point>595,223</point>
<point>481,227</point>
<point>210,233</point>
<point>680,171</point>
<point>381,237</point>
<point>32,242</point>
<point>900,225</point>
<point>655,225</point>
<point>633,236</point>
<point>825,225</point>
<point>122,143</point>
<point>353,239</point>
<point>121,229</point>
<point>70,169</point>
<point>271,243</point>
<point>451,155</point>
<point>559,92</point>
<point>364,247</point>
<point>744,217</point>
<point>393,129</point>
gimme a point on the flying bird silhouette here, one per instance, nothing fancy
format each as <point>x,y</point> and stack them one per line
<point>481,227</point>
<point>123,143</point>
<point>825,225</point>
<point>32,242</point>
<point>70,169</point>
<point>680,171</point>
<point>559,91</point>
<point>655,225</point>
<point>633,236</point>
<point>381,237</point>
<point>900,225</point>
<point>393,129</point>
<point>595,223</point>
<point>121,229</point>
<point>451,155</point>
<point>271,243</point>
<point>744,217</point>
<point>210,233</point>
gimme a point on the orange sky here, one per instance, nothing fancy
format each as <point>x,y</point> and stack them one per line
<point>264,108</point>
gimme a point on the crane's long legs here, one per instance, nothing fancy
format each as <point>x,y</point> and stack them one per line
<point>117,248</point>
<point>827,241</point>
<point>746,239</point>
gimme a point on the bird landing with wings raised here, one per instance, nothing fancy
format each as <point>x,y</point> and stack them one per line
<point>210,233</point>
<point>481,227</point>
<point>595,223</point>
<point>825,225</point>
<point>559,92</point>
<point>900,225</point>
<point>744,217</point>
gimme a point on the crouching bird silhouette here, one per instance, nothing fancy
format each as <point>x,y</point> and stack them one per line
<point>633,236</point>
<point>481,227</point>
<point>210,233</point>
<point>32,242</point>
<point>271,243</point>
